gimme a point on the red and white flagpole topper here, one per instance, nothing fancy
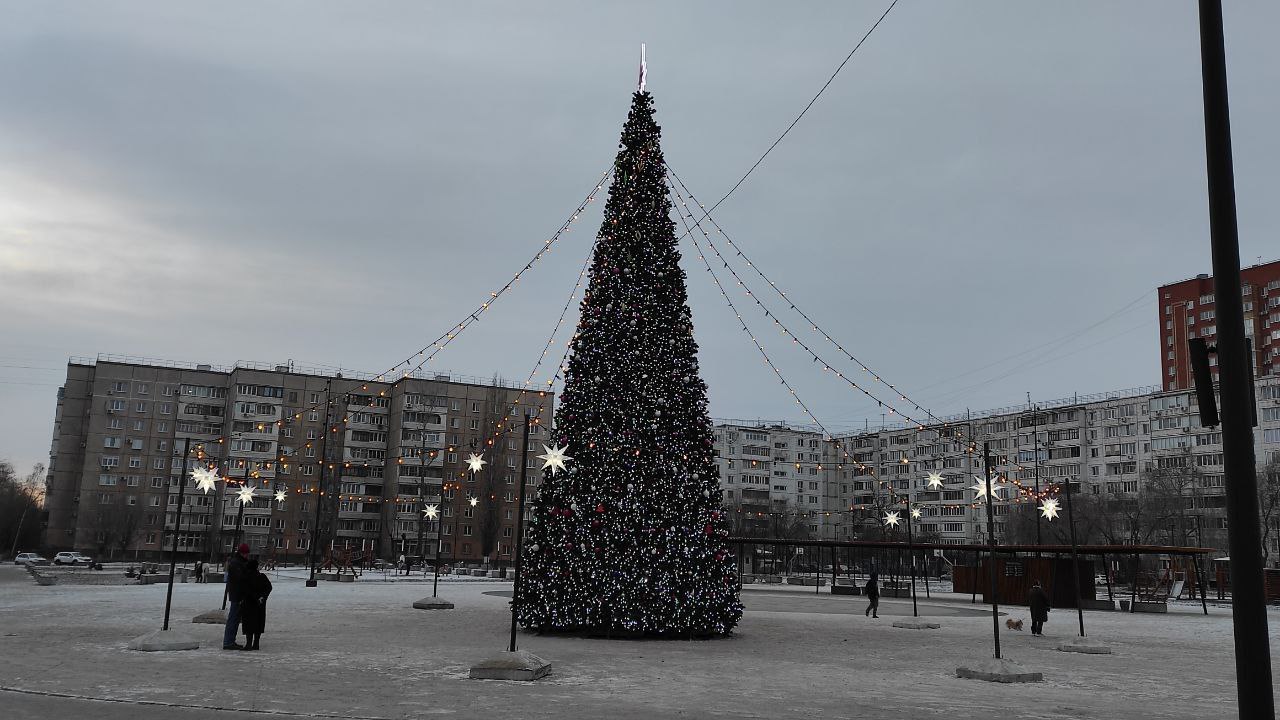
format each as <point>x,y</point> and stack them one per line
<point>644,69</point>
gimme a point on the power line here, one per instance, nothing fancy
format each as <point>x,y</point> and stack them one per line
<point>784,134</point>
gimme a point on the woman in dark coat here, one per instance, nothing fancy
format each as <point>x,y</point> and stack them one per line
<point>1038,599</point>
<point>253,610</point>
<point>873,595</point>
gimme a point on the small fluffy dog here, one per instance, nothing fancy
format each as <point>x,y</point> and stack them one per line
<point>1013,624</point>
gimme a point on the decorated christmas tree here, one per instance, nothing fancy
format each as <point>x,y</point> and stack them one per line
<point>629,537</point>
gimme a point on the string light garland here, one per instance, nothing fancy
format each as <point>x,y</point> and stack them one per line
<point>773,316</point>
<point>868,470</point>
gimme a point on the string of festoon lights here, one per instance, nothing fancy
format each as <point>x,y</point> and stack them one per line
<point>795,340</point>
<point>791,303</point>
<point>999,480</point>
<point>502,428</point>
<point>685,217</point>
<point>427,352</point>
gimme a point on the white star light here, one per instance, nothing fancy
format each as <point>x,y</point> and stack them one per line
<point>935,481</point>
<point>431,511</point>
<point>554,459</point>
<point>891,519</point>
<point>1049,508</point>
<point>473,501</point>
<point>915,513</point>
<point>280,496</point>
<point>245,494</point>
<point>476,463</point>
<point>980,488</point>
<point>206,479</point>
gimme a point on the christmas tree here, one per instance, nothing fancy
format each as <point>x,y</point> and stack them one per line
<point>629,537</point>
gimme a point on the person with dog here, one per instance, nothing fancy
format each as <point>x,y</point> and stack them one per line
<point>873,595</point>
<point>1038,600</point>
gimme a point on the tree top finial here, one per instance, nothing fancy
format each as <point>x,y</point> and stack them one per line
<point>644,70</point>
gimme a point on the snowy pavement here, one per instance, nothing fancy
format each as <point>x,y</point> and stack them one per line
<point>359,650</point>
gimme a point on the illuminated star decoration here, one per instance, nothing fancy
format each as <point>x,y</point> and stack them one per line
<point>476,462</point>
<point>205,478</point>
<point>245,494</point>
<point>980,488</point>
<point>280,496</point>
<point>891,519</point>
<point>554,459</point>
<point>935,481</point>
<point>473,501</point>
<point>1049,508</point>
<point>915,513</point>
<point>431,511</point>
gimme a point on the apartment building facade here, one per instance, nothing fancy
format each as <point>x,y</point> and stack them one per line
<point>1107,447</point>
<point>391,450</point>
<point>1187,310</point>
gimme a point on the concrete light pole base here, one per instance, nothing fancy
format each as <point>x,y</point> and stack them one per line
<point>163,640</point>
<point>213,617</point>
<point>519,665</point>
<point>1001,670</point>
<point>432,603</point>
<point>917,623</point>
<point>1086,645</point>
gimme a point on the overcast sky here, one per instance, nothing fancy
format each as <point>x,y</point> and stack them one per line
<point>980,206</point>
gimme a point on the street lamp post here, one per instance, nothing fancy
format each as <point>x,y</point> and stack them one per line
<point>991,548</point>
<point>177,530</point>
<point>524,473</point>
<point>324,459</point>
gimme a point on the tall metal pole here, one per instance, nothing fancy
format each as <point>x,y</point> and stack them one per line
<point>1248,598</point>
<point>1075,556</point>
<point>324,459</point>
<point>235,543</point>
<point>991,548</point>
<point>422,498</point>
<point>915,612</point>
<point>1035,429</point>
<point>524,473</point>
<point>177,529</point>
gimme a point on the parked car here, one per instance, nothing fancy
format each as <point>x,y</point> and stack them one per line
<point>71,558</point>
<point>29,558</point>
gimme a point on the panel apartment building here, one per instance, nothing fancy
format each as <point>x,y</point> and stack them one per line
<point>1187,310</point>
<point>394,448</point>
<point>1102,445</point>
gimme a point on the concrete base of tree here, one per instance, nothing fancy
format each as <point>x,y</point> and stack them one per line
<point>917,623</point>
<point>519,665</point>
<point>163,640</point>
<point>213,617</point>
<point>1001,670</point>
<point>432,603</point>
<point>1086,645</point>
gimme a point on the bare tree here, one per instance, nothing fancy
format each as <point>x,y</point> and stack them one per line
<point>1269,501</point>
<point>20,508</point>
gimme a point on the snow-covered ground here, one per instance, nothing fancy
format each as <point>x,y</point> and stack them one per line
<point>360,650</point>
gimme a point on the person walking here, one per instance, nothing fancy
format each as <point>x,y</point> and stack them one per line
<point>199,571</point>
<point>253,611</point>
<point>1038,600</point>
<point>873,595</point>
<point>236,567</point>
<point>403,564</point>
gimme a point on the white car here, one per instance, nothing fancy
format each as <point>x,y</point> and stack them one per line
<point>29,558</point>
<point>71,558</point>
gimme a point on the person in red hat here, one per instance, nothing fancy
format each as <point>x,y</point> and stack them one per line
<point>236,577</point>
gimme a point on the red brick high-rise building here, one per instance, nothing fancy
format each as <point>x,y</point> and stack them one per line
<point>1187,310</point>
